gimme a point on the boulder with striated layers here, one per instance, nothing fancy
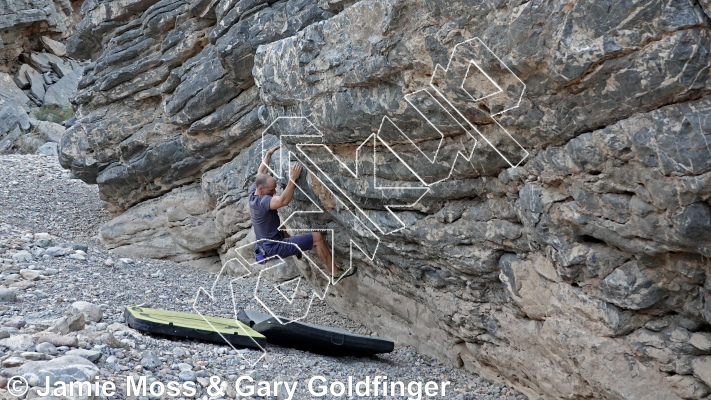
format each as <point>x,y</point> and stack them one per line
<point>165,77</point>
<point>59,94</point>
<point>553,175</point>
<point>11,95</point>
<point>24,23</point>
<point>597,234</point>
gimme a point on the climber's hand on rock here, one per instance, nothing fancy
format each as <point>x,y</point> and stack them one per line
<point>295,172</point>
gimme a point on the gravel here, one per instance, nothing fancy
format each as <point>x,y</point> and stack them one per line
<point>51,259</point>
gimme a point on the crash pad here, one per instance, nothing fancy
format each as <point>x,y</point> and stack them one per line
<point>193,326</point>
<point>314,338</point>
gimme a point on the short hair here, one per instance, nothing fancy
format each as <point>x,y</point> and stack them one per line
<point>262,180</point>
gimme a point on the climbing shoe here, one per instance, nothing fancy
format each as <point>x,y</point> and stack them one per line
<point>343,275</point>
<point>259,254</point>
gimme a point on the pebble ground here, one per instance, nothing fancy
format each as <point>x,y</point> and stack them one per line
<point>38,196</point>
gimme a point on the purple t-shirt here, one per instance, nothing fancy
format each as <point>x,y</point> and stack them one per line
<point>264,220</point>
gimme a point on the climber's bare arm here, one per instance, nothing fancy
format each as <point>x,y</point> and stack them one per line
<point>263,167</point>
<point>285,198</point>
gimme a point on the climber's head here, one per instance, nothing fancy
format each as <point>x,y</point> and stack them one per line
<point>265,185</point>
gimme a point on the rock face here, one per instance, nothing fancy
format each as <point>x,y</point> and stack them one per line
<point>583,272</point>
<point>34,71</point>
<point>24,22</point>
<point>163,76</point>
<point>23,126</point>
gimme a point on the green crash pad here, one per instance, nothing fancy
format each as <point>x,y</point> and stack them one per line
<point>193,326</point>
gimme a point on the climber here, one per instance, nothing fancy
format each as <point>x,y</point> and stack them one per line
<point>263,205</point>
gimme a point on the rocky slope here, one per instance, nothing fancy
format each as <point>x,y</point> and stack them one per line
<point>37,80</point>
<point>23,23</point>
<point>582,272</point>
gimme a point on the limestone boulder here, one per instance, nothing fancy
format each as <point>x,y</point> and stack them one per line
<point>11,94</point>
<point>58,94</point>
<point>47,149</point>
<point>593,217</point>
<point>48,131</point>
<point>91,312</point>
<point>24,23</point>
<point>19,342</point>
<point>177,226</point>
<point>53,46</point>
<point>21,78</point>
<point>170,72</point>
<point>38,86</point>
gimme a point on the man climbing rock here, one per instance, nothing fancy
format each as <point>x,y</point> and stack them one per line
<point>263,205</point>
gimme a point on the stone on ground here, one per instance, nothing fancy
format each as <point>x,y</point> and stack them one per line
<point>91,312</point>
<point>46,348</point>
<point>11,94</point>
<point>66,369</point>
<point>20,342</point>
<point>47,149</point>
<point>58,94</point>
<point>150,361</point>
<point>53,46</point>
<point>90,355</point>
<point>58,340</point>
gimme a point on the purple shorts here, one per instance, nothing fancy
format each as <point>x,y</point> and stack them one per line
<point>285,248</point>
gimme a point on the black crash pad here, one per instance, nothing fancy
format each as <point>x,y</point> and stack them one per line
<point>193,326</point>
<point>314,338</point>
